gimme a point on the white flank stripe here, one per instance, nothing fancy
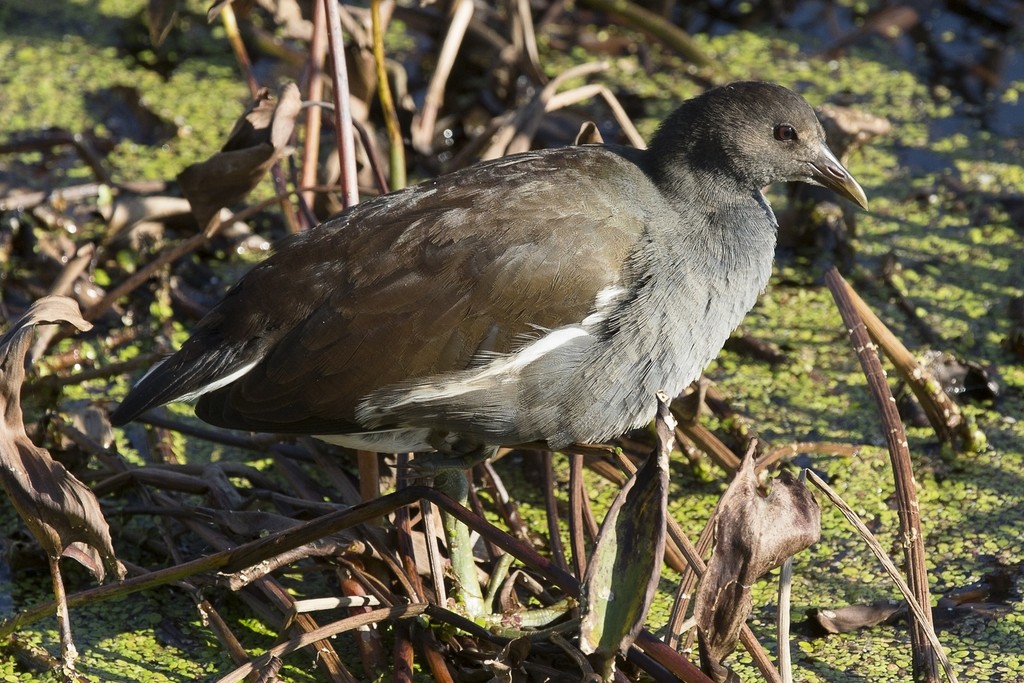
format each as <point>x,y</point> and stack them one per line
<point>607,296</point>
<point>543,346</point>
<point>507,365</point>
<point>604,303</point>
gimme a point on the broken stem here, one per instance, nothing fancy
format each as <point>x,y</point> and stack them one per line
<point>68,653</point>
<point>943,414</point>
<point>911,536</point>
<point>921,612</point>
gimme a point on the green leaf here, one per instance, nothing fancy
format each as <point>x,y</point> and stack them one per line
<point>623,572</point>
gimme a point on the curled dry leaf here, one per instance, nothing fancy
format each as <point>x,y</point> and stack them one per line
<point>754,534</point>
<point>131,210</point>
<point>258,140</point>
<point>60,511</point>
<point>964,380</point>
<point>848,129</point>
<point>589,134</point>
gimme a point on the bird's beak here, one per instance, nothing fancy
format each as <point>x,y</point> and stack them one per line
<point>831,174</point>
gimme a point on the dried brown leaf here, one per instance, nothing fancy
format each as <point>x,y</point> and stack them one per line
<point>754,534</point>
<point>589,134</point>
<point>60,511</point>
<point>259,138</point>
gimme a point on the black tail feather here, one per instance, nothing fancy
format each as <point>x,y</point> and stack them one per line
<point>181,376</point>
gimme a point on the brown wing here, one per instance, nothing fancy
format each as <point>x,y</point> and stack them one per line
<point>420,283</point>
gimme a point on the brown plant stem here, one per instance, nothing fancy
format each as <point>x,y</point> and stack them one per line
<point>342,107</point>
<point>72,194</point>
<point>909,509</point>
<point>551,508</point>
<point>655,25</point>
<point>254,552</point>
<point>402,655</point>
<point>314,93</point>
<point>846,450</point>
<point>404,537</point>
<point>325,634</point>
<point>46,140</point>
<point>423,124</point>
<point>68,653</point>
<point>369,473</point>
<point>943,414</point>
<point>887,564</point>
<point>373,154</point>
<point>576,527</point>
<point>396,146</point>
<point>710,444</point>
<point>436,661</point>
<point>230,22</point>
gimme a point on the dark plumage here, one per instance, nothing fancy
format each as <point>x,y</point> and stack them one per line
<point>542,297</point>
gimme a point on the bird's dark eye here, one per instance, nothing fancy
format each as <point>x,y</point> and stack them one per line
<point>785,132</point>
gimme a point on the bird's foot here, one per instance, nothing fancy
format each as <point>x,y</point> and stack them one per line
<point>433,464</point>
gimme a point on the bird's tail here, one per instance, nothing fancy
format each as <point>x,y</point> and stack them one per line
<point>183,376</point>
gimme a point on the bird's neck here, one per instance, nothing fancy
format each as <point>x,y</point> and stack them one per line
<point>690,160</point>
<point>687,177</point>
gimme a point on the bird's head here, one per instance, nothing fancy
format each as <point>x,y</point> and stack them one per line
<point>755,134</point>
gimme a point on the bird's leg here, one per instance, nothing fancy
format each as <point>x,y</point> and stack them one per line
<point>435,464</point>
<point>454,484</point>
<point>448,469</point>
<point>457,457</point>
